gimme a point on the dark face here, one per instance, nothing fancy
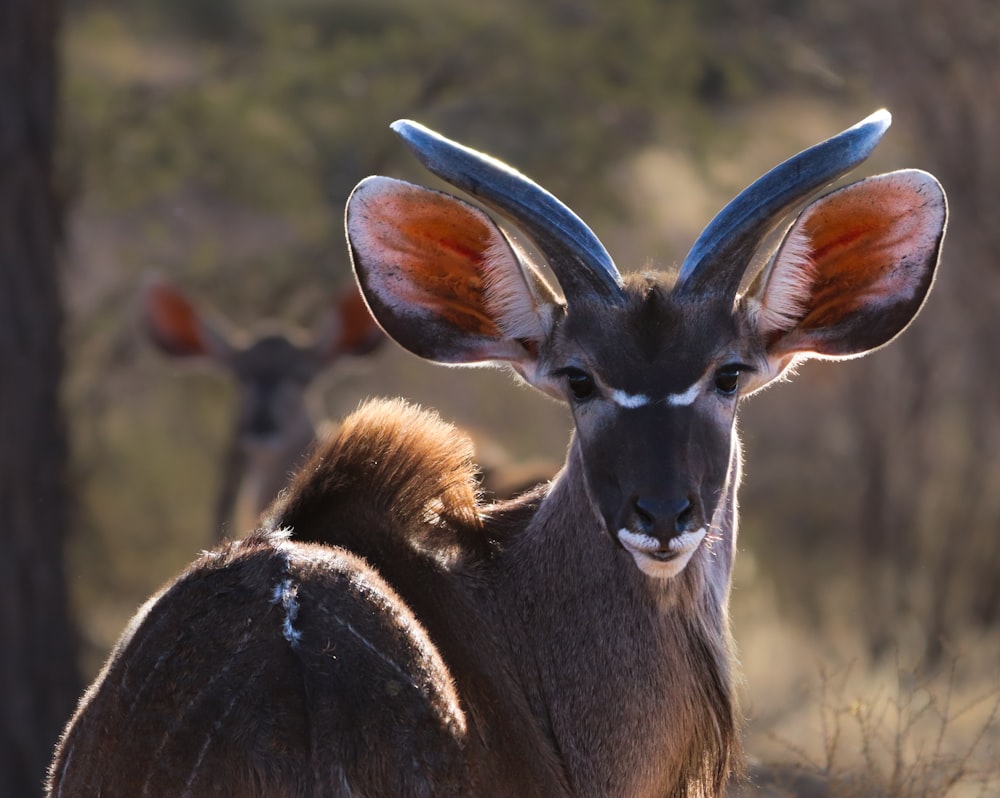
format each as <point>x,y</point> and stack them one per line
<point>272,376</point>
<point>654,397</point>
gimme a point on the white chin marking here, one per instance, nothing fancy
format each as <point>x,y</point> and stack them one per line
<point>656,562</point>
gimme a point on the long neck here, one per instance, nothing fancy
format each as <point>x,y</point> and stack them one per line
<point>258,469</point>
<point>271,460</point>
<point>607,648</point>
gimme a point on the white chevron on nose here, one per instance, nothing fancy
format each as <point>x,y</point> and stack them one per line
<point>629,400</point>
<point>685,398</point>
<point>623,399</point>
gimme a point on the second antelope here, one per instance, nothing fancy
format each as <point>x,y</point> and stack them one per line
<point>273,431</point>
<point>573,642</point>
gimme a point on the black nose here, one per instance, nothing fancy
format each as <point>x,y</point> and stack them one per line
<point>665,519</point>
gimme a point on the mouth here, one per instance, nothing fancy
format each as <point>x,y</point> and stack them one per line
<point>658,560</point>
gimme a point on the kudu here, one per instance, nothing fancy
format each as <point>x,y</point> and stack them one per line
<point>273,431</point>
<point>574,641</point>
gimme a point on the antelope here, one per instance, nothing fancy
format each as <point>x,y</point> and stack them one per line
<point>571,642</point>
<point>273,431</point>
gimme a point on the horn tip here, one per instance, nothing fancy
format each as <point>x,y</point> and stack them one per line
<point>429,147</point>
<point>863,137</point>
<point>407,129</point>
<point>877,123</point>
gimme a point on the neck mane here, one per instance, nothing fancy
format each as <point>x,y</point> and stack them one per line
<point>650,658</point>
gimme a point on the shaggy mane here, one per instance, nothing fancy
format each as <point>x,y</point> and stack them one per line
<point>390,462</point>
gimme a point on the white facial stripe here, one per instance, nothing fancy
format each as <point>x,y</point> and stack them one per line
<point>623,399</point>
<point>685,398</point>
<point>631,400</point>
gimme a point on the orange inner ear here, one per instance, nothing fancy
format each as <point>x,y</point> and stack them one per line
<point>359,332</point>
<point>440,246</point>
<point>172,321</point>
<point>862,244</point>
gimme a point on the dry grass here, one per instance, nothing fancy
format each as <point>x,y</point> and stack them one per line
<point>916,736</point>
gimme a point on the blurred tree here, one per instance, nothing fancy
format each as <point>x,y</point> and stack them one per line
<point>38,677</point>
<point>927,437</point>
<point>948,53</point>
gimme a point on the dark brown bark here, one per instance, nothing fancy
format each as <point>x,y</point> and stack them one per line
<point>38,674</point>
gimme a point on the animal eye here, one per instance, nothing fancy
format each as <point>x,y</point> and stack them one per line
<point>727,380</point>
<point>581,384</point>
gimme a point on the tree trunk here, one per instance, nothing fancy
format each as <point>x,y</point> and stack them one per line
<point>38,675</point>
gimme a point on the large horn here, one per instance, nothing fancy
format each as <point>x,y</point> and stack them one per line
<point>719,258</point>
<point>579,261</point>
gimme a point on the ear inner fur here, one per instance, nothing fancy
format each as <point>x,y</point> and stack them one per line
<point>440,276</point>
<point>868,246</point>
<point>432,246</point>
<point>786,293</point>
<point>508,296</point>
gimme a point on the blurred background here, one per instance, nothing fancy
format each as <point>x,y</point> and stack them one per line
<point>214,144</point>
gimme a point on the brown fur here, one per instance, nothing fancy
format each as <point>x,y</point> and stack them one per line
<point>438,651</point>
<point>403,463</point>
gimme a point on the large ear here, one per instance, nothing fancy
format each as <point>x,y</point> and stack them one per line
<point>175,326</point>
<point>853,270</point>
<point>347,328</point>
<point>442,279</point>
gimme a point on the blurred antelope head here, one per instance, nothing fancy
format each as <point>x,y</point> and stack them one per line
<point>273,430</point>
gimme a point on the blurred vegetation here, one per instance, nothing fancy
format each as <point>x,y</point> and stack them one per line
<point>216,142</point>
<point>896,734</point>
